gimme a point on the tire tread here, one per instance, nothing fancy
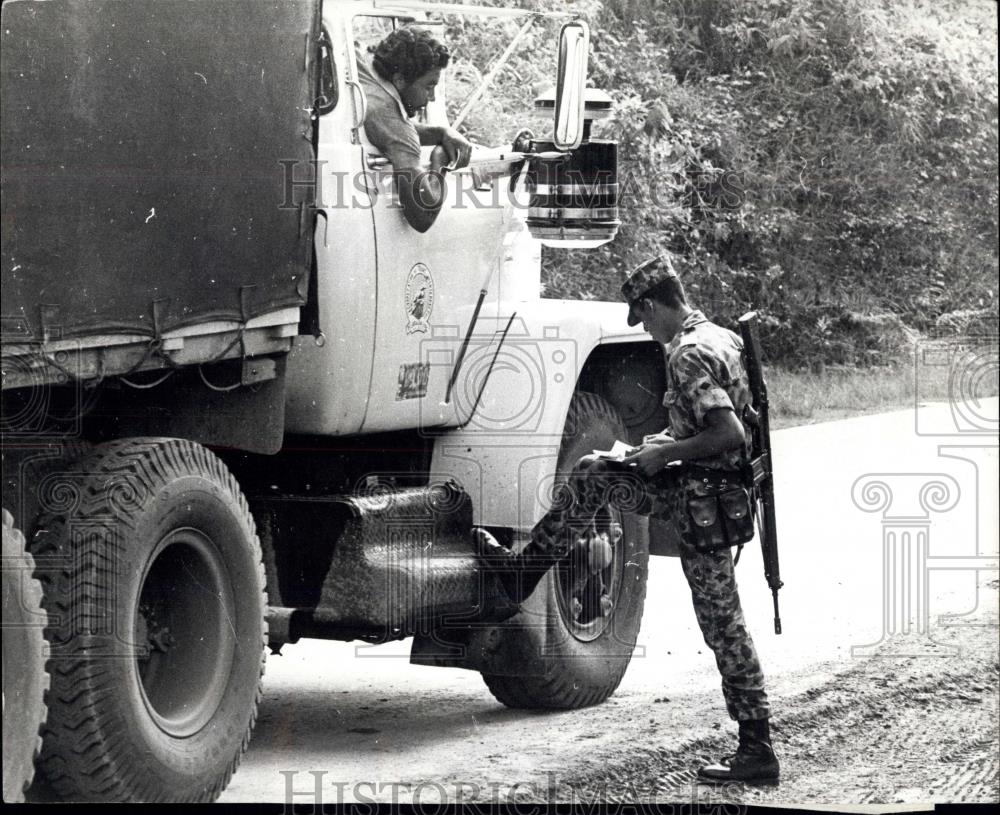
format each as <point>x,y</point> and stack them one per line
<point>14,546</point>
<point>85,755</point>
<point>553,690</point>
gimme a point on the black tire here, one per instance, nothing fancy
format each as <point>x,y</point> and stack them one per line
<point>41,479</point>
<point>154,586</point>
<point>25,651</point>
<point>579,661</point>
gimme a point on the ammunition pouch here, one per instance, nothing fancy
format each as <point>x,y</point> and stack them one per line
<point>722,519</point>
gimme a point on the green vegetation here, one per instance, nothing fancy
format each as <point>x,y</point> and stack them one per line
<point>808,397</point>
<point>831,163</point>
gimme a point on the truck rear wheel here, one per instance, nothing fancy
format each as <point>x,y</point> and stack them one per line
<point>24,654</point>
<point>581,629</point>
<point>154,585</point>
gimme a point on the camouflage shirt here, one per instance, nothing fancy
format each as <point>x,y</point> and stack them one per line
<point>705,371</point>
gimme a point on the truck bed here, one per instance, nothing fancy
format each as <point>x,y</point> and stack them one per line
<point>29,363</point>
<point>143,195</point>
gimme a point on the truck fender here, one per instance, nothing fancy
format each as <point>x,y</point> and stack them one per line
<point>505,455</point>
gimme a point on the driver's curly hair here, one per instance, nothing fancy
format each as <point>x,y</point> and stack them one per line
<point>410,52</point>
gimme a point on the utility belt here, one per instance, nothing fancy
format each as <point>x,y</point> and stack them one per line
<point>722,513</point>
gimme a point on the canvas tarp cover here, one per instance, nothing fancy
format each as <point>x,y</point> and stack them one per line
<point>140,161</point>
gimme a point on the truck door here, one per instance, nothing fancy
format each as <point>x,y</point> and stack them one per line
<point>329,377</point>
<point>428,288</point>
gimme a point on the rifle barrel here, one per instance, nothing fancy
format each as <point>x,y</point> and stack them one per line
<point>764,484</point>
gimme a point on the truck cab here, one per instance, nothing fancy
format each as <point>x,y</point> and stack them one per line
<point>443,332</point>
<point>412,295</point>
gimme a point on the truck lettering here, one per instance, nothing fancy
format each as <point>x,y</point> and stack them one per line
<point>413,379</point>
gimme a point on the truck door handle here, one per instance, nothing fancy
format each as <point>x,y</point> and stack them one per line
<point>360,120</point>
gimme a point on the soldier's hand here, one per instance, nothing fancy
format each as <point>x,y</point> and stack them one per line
<point>649,460</point>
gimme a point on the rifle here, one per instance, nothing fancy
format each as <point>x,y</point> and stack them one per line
<point>761,476</point>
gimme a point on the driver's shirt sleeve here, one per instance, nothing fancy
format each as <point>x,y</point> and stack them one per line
<point>392,135</point>
<point>388,129</point>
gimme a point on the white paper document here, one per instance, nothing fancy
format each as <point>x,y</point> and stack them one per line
<point>617,453</point>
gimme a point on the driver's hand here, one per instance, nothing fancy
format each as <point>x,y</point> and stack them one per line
<point>458,148</point>
<point>439,159</point>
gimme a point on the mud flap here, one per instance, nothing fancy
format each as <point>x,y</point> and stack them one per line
<point>488,647</point>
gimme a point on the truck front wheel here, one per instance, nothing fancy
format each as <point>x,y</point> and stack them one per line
<point>154,586</point>
<point>576,633</point>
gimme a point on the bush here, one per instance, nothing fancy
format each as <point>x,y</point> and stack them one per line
<point>831,163</point>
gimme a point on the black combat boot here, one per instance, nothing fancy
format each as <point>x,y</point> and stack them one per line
<point>753,762</point>
<point>519,574</point>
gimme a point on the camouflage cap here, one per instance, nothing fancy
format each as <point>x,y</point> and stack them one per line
<point>643,278</point>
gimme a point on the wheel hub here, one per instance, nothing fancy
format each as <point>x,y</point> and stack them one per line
<point>183,630</point>
<point>588,580</point>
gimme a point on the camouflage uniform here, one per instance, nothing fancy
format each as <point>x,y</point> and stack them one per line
<point>704,371</point>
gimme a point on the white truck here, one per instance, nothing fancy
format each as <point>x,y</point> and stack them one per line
<point>245,403</point>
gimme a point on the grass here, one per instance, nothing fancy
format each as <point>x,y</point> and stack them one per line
<point>798,398</point>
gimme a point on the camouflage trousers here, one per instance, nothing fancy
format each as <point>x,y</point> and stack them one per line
<point>710,575</point>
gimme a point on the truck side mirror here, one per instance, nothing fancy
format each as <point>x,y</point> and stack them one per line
<point>574,50</point>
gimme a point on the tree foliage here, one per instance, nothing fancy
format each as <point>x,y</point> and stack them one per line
<point>831,163</point>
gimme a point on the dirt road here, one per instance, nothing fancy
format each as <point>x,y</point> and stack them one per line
<point>876,730</point>
<point>912,719</point>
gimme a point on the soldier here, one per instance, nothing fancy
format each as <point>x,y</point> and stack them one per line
<point>707,393</point>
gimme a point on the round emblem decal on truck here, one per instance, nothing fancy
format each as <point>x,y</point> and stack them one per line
<point>419,298</point>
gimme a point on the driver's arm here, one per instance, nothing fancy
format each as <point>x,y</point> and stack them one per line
<point>421,191</point>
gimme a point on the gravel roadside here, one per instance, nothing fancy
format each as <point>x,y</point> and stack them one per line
<point>877,730</point>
